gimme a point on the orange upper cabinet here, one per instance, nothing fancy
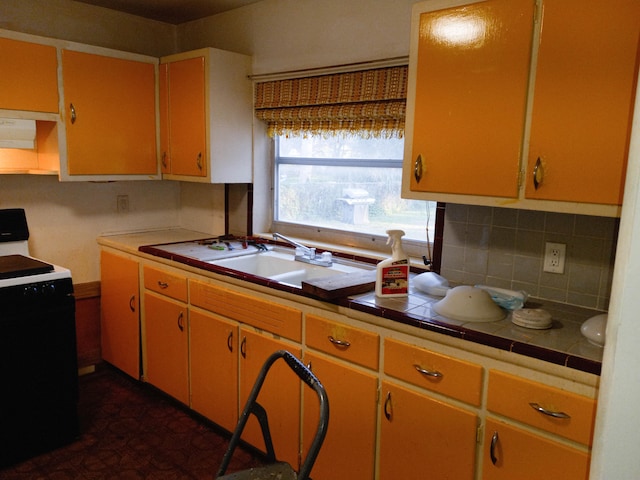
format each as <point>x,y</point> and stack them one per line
<point>470,70</point>
<point>109,115</point>
<point>583,100</point>
<point>521,103</point>
<point>29,79</point>
<point>206,117</point>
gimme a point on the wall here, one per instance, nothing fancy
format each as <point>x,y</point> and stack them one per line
<point>505,248</point>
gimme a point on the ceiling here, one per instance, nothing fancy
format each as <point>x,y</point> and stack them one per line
<point>171,11</point>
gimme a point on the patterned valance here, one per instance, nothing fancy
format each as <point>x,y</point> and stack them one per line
<point>369,103</point>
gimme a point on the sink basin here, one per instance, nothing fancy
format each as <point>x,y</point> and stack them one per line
<point>281,267</point>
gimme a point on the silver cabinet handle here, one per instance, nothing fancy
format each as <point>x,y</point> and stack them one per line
<point>164,159</point>
<point>181,321</point>
<point>230,341</point>
<point>417,169</point>
<point>199,161</point>
<point>132,303</point>
<point>428,373</point>
<point>387,407</point>
<point>550,413</point>
<point>494,446</point>
<point>162,284</point>
<point>73,113</point>
<point>538,174</point>
<point>339,343</point>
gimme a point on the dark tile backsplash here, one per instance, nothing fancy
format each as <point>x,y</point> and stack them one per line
<point>505,248</point>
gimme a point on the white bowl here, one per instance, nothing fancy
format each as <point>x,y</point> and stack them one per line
<point>594,329</point>
<point>469,304</point>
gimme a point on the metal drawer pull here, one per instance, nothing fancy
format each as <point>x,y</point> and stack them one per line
<point>230,342</point>
<point>538,174</point>
<point>243,347</point>
<point>162,284</point>
<point>132,303</point>
<point>551,413</point>
<point>494,445</point>
<point>199,161</point>
<point>387,407</point>
<point>164,159</point>
<point>73,113</point>
<point>428,373</point>
<point>339,343</point>
<point>417,169</point>
<point>180,321</point>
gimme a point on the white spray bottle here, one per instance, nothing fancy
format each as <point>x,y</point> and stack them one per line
<point>392,278</point>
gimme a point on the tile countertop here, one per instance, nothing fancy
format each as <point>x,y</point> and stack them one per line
<point>562,344</point>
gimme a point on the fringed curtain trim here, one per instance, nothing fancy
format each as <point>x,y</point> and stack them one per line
<point>370,103</point>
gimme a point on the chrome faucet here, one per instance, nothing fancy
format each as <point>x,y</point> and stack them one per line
<point>307,254</point>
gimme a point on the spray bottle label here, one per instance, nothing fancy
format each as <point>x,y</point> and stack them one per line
<point>395,278</point>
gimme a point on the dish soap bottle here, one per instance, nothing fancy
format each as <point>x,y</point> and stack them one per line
<point>392,279</point>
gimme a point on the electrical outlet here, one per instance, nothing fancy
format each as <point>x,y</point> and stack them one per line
<point>554,257</point>
<point>123,203</point>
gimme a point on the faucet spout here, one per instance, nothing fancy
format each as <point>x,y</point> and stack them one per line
<point>306,249</point>
<point>307,254</point>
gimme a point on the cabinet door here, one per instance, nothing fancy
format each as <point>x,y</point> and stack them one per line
<point>166,346</point>
<point>582,105</point>
<point>522,455</point>
<point>348,451</point>
<point>110,115</point>
<point>119,317</point>
<point>280,395</point>
<point>163,113</point>
<point>29,79</point>
<point>214,368</point>
<point>424,438</point>
<point>471,82</point>
<point>186,113</point>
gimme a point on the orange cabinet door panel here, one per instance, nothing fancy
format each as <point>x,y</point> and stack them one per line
<point>29,79</point>
<point>348,451</point>
<point>583,100</point>
<point>470,97</point>
<point>213,351</point>
<point>280,395</point>
<point>187,127</point>
<point>425,438</point>
<point>110,115</point>
<point>514,454</point>
<point>119,313</point>
<point>163,113</point>
<point>167,344</point>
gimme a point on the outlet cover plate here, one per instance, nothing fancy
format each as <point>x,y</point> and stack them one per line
<point>554,257</point>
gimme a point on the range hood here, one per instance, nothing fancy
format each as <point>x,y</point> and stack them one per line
<point>17,133</point>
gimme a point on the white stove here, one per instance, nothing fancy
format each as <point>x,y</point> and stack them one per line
<point>38,355</point>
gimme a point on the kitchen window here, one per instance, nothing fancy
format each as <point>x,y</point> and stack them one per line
<point>347,186</point>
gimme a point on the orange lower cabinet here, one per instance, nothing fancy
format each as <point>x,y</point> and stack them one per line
<point>167,345</point>
<point>515,454</point>
<point>280,394</point>
<point>424,438</point>
<point>213,350</point>
<point>120,317</point>
<point>348,451</point>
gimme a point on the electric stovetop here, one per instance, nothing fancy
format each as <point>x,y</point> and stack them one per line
<point>13,266</point>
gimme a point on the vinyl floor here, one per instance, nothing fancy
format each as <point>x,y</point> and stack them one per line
<point>128,430</point>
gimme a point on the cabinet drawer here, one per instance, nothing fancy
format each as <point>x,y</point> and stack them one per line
<point>349,343</point>
<point>446,375</point>
<point>270,316</point>
<point>522,400</point>
<point>166,283</point>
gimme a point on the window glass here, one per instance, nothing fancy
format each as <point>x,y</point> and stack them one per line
<point>347,183</point>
